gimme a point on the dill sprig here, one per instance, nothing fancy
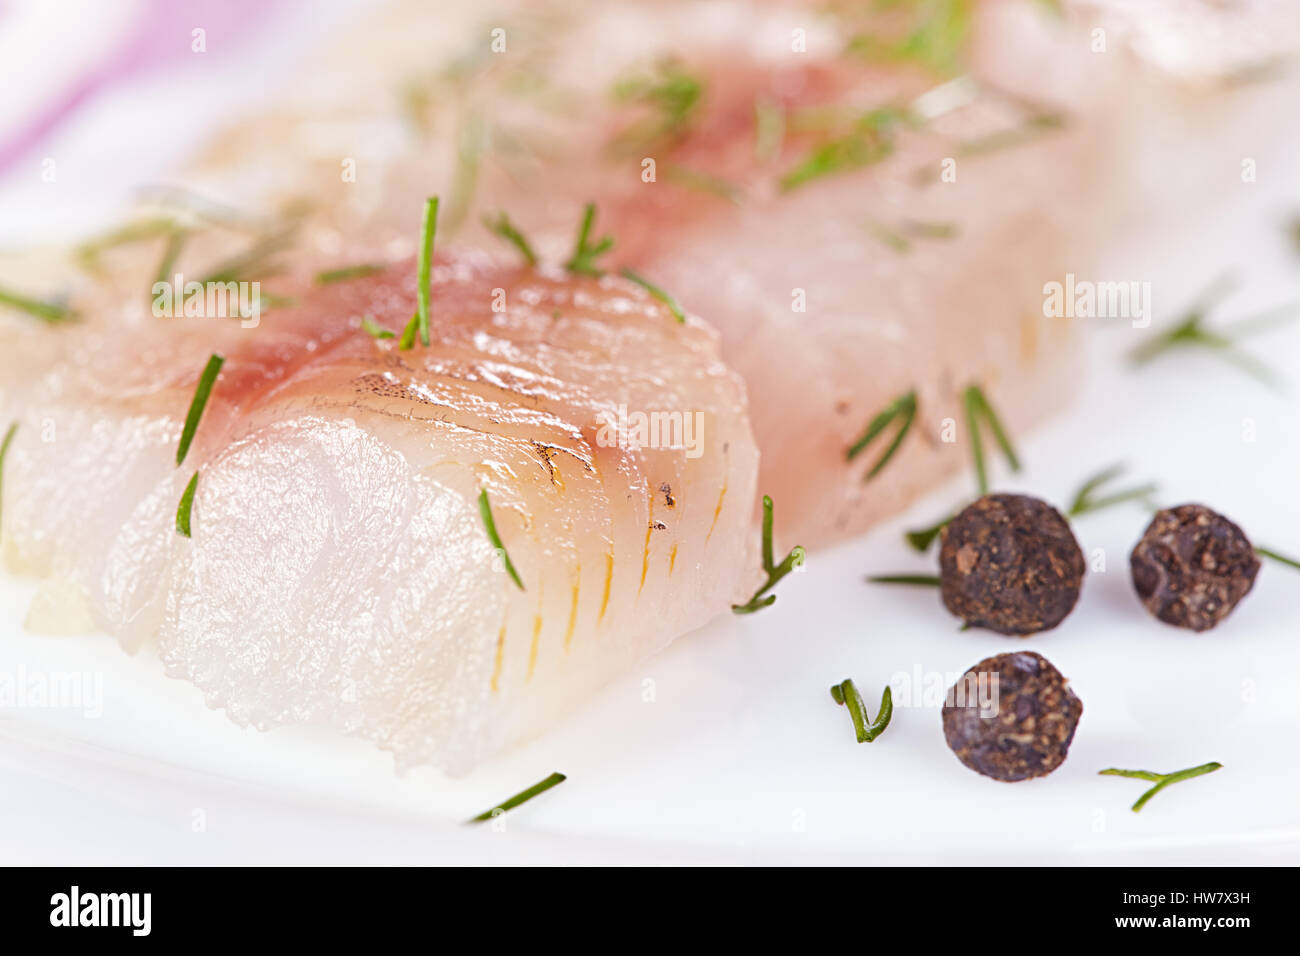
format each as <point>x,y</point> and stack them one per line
<point>1085,501</point>
<point>918,580</point>
<point>866,730</point>
<point>176,240</point>
<point>935,40</point>
<point>1192,333</point>
<point>704,182</point>
<point>202,392</point>
<point>407,341</point>
<point>345,273</point>
<point>186,506</point>
<point>870,141</point>
<point>1279,558</point>
<point>903,408</point>
<point>922,538</point>
<point>657,293</point>
<point>1161,780</point>
<point>585,252</point>
<point>485,512</point>
<point>1035,125</point>
<point>775,572</point>
<point>674,98</point>
<point>978,407</point>
<point>900,239</point>
<point>503,227</point>
<point>522,797</point>
<point>419,322</point>
<point>427,235</point>
<point>4,452</point>
<point>472,142</point>
<point>374,329</point>
<point>87,254</point>
<point>48,312</point>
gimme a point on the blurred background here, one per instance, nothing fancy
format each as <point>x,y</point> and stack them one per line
<point>119,93</point>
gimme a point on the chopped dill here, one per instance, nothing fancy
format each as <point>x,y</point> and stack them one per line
<point>186,506</point>
<point>866,730</point>
<point>471,143</point>
<point>890,237</point>
<point>775,572</point>
<point>657,293</point>
<point>870,141</point>
<point>207,379</point>
<point>374,329</point>
<point>585,252</point>
<point>1192,333</point>
<point>176,240</point>
<point>1280,558</point>
<point>407,341</point>
<point>345,273</point>
<point>485,512</point>
<point>916,580</point>
<point>420,319</point>
<point>705,183</point>
<point>87,254</point>
<point>1038,123</point>
<point>922,538</point>
<point>900,239</point>
<point>50,313</point>
<point>522,797</point>
<point>503,227</point>
<point>902,408</point>
<point>936,38</point>
<point>673,97</point>
<point>1161,780</point>
<point>978,407</point>
<point>1085,501</point>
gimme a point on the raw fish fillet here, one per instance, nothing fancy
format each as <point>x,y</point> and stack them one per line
<point>340,573</point>
<point>821,310</point>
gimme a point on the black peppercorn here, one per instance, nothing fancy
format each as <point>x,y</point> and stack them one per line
<point>1192,566</point>
<point>1011,717</point>
<point>1011,564</point>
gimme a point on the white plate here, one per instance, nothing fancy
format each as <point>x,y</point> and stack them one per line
<point>728,748</point>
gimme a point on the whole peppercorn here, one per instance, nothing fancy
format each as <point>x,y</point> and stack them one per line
<point>1011,717</point>
<point>1011,564</point>
<point>1192,566</point>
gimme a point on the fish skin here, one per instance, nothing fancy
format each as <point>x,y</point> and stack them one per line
<point>339,572</point>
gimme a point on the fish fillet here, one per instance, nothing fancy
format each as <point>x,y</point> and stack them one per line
<point>820,310</point>
<point>340,573</point>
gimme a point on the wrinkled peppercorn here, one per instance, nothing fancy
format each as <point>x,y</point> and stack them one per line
<point>1011,564</point>
<point>1192,566</point>
<point>1011,717</point>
